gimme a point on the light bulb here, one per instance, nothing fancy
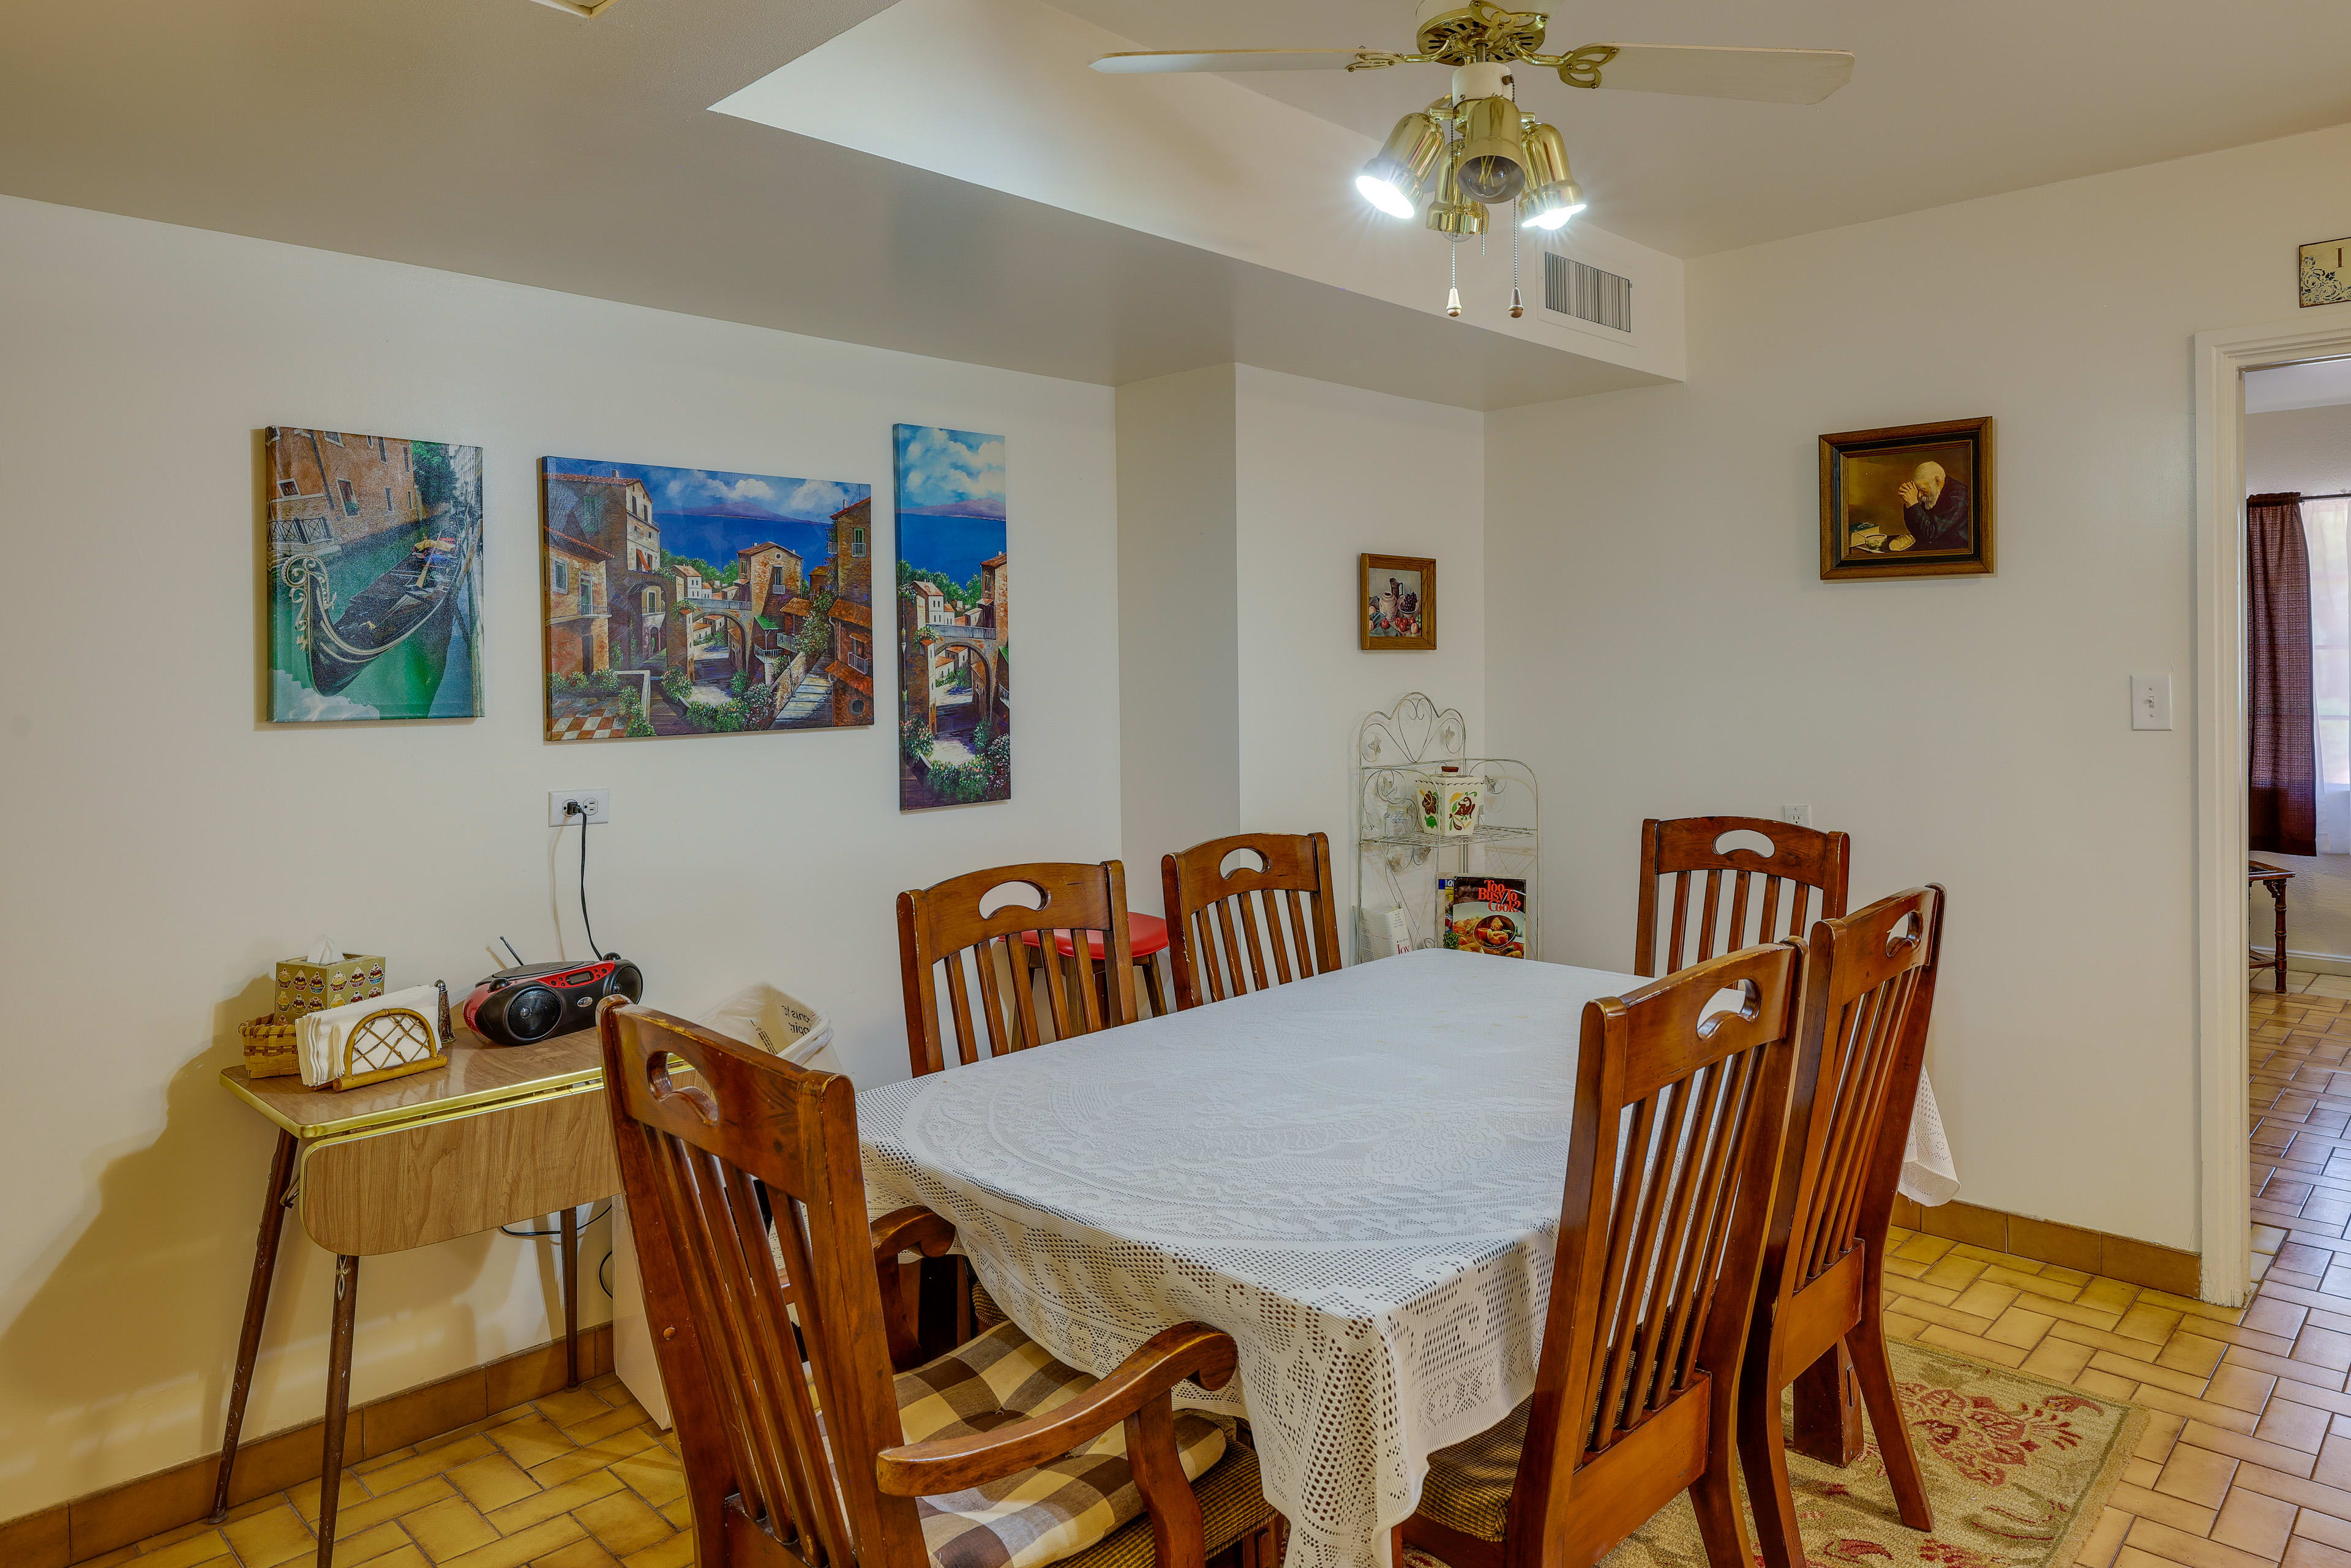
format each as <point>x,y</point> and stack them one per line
<point>1383,194</point>
<point>1553,219</point>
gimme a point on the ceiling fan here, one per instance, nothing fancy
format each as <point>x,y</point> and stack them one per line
<point>1474,149</point>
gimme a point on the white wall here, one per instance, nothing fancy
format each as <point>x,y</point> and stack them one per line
<point>1327,474</point>
<point>2303,449</point>
<point>1659,642</point>
<point>1245,498</point>
<point>1179,649</point>
<point>162,846</point>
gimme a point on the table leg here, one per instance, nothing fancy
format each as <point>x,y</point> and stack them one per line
<point>338,1402</point>
<point>2277,892</point>
<point>1828,1409</point>
<point>570,1223</point>
<point>257,1303</point>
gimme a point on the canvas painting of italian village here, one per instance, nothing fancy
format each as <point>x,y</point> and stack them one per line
<point>692,602</point>
<point>375,577</point>
<point>955,657</point>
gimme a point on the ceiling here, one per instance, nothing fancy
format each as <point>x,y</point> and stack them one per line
<point>514,140</point>
<point>2314,383</point>
<point>1946,103</point>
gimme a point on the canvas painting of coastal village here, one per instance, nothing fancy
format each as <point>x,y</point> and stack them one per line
<point>694,602</point>
<point>955,585</point>
<point>375,577</point>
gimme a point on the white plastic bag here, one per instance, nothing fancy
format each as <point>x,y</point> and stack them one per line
<point>776,1021</point>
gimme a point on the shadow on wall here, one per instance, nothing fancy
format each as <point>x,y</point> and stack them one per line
<point>124,1333</point>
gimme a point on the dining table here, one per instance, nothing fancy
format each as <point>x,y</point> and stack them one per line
<point>1357,1175</point>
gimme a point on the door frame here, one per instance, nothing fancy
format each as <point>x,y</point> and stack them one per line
<point>2223,1052</point>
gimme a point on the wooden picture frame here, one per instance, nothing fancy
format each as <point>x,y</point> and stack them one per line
<point>1911,500</point>
<point>1396,603</point>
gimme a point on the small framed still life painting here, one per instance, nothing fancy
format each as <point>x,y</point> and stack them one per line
<point>1396,597</point>
<point>1912,501</point>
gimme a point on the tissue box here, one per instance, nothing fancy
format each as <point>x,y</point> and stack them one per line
<point>307,987</point>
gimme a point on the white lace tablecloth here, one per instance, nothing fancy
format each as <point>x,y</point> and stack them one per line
<point>1358,1176</point>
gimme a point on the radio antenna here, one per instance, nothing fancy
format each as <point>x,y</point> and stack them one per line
<point>512,954</point>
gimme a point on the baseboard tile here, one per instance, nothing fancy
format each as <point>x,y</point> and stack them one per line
<point>90,1526</point>
<point>2134,1263</point>
<point>2309,963</point>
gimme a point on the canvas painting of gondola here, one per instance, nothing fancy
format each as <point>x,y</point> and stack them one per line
<point>954,649</point>
<point>375,577</point>
<point>685,601</point>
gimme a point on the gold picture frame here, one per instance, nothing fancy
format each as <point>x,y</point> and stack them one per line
<point>1396,603</point>
<point>1910,500</point>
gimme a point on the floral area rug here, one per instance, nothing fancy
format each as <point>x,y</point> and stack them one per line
<point>2018,1469</point>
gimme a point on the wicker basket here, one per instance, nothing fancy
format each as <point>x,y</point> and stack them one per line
<point>269,1047</point>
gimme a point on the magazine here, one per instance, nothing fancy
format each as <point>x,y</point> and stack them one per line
<point>1485,913</point>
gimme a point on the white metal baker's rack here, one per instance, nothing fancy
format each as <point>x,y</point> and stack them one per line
<point>1397,864</point>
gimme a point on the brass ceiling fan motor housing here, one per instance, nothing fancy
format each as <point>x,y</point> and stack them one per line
<point>1454,34</point>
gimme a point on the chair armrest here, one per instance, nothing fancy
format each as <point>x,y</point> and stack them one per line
<point>1206,1356</point>
<point>912,1229</point>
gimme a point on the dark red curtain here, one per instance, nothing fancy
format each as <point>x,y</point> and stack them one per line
<point>2282,785</point>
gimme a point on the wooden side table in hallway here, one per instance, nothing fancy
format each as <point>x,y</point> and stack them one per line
<point>2273,877</point>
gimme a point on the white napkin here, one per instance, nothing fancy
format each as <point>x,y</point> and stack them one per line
<point>320,1038</point>
<point>1928,1175</point>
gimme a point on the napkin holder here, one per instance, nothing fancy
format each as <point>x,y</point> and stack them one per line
<point>394,1043</point>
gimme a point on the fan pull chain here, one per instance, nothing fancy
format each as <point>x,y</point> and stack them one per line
<point>1453,297</point>
<point>1518,306</point>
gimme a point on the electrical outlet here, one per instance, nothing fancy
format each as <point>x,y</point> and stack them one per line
<point>1800,815</point>
<point>595,805</point>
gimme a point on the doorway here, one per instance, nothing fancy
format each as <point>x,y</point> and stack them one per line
<point>2223,361</point>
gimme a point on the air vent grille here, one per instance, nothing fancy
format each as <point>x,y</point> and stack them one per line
<point>1586,292</point>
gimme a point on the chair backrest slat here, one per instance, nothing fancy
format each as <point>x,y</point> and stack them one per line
<point>941,928</point>
<point>749,1205</point>
<point>1223,927</point>
<point>1869,996</point>
<point>1802,861</point>
<point>1675,1141</point>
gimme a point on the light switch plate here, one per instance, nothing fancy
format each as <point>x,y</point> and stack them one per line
<point>2150,700</point>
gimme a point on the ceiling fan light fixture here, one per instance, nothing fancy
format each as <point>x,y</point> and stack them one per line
<point>1552,195</point>
<point>1493,156</point>
<point>1453,214</point>
<point>1395,174</point>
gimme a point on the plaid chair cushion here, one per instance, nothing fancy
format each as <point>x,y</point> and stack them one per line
<point>1469,1485</point>
<point>1060,1507</point>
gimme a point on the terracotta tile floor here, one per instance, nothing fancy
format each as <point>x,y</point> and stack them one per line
<point>2246,1461</point>
<point>580,1479</point>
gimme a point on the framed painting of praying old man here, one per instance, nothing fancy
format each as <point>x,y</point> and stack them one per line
<point>1912,501</point>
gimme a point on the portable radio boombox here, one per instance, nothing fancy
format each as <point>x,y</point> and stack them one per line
<point>538,1002</point>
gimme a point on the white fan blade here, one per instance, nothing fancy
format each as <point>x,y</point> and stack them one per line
<point>1759,76</point>
<point>1153,62</point>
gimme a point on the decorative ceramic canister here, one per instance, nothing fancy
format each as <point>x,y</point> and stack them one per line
<point>1450,802</point>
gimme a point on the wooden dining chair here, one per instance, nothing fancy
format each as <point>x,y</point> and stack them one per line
<point>1803,861</point>
<point>1212,914</point>
<point>1869,990</point>
<point>787,1368</point>
<point>1081,911</point>
<point>1661,1232</point>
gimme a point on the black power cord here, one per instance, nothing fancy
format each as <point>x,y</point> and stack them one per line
<point>520,1235</point>
<point>572,809</point>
